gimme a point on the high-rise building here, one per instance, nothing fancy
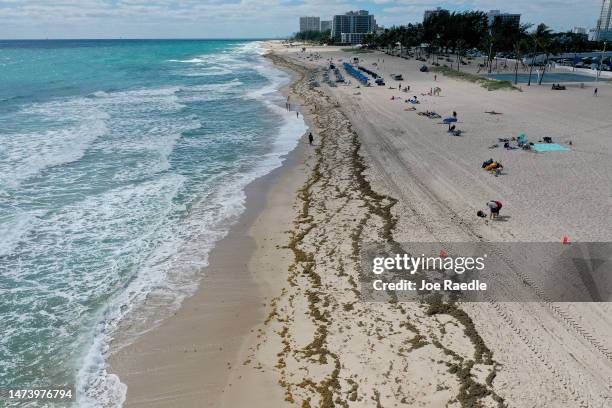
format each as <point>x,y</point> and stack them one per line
<point>310,24</point>
<point>430,13</point>
<point>579,30</point>
<point>353,22</point>
<point>514,19</point>
<point>604,23</point>
<point>326,25</point>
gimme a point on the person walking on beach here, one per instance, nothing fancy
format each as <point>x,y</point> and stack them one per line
<point>455,114</point>
<point>495,206</point>
<point>435,77</point>
<point>310,138</point>
<point>297,114</point>
<point>595,92</point>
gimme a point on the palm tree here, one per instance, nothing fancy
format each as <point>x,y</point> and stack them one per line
<point>460,44</point>
<point>550,47</point>
<point>538,38</point>
<point>520,43</point>
<point>519,46</point>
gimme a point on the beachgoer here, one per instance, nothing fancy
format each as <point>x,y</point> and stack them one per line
<point>495,206</point>
<point>595,92</point>
<point>435,77</point>
<point>297,114</point>
<point>310,138</point>
<point>454,114</point>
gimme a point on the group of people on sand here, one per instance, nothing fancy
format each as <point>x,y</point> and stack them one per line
<point>494,206</point>
<point>288,107</point>
<point>495,167</point>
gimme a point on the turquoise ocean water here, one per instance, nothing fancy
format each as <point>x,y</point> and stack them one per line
<point>121,164</point>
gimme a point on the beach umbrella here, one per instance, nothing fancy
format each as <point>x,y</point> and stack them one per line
<point>450,120</point>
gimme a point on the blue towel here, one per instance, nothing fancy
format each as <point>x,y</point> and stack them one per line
<point>550,147</point>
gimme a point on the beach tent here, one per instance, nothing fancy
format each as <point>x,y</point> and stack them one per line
<point>550,147</point>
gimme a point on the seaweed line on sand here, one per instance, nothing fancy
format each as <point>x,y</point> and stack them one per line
<point>327,390</point>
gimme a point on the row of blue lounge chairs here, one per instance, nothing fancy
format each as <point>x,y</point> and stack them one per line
<point>355,73</point>
<point>367,71</point>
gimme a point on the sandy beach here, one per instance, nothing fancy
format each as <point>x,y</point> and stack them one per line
<point>278,319</point>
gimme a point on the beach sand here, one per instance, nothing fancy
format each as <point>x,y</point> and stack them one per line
<point>278,319</point>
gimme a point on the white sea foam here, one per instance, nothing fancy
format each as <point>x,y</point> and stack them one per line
<point>24,155</point>
<point>13,229</point>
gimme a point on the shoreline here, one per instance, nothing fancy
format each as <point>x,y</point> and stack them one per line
<point>211,325</point>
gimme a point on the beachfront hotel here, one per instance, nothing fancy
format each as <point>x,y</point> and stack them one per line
<point>310,24</point>
<point>431,13</point>
<point>514,19</point>
<point>604,23</point>
<point>351,27</point>
<point>326,25</point>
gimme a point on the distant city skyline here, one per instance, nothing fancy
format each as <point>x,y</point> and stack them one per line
<point>248,18</point>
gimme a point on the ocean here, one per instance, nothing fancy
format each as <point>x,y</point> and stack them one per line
<point>122,162</point>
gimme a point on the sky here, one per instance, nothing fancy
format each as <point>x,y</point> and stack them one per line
<point>247,18</point>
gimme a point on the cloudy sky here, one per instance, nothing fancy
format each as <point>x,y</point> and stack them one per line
<point>245,18</point>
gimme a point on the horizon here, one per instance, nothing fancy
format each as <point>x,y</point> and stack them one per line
<point>266,19</point>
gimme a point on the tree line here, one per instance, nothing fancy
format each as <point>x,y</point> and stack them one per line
<point>319,37</point>
<point>458,32</point>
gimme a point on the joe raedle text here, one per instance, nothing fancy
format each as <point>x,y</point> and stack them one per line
<point>406,273</point>
<point>446,285</point>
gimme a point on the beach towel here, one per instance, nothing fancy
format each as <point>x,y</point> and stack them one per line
<point>550,147</point>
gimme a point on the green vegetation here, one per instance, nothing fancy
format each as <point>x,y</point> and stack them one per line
<point>468,33</point>
<point>357,50</point>
<point>489,84</point>
<point>317,37</point>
